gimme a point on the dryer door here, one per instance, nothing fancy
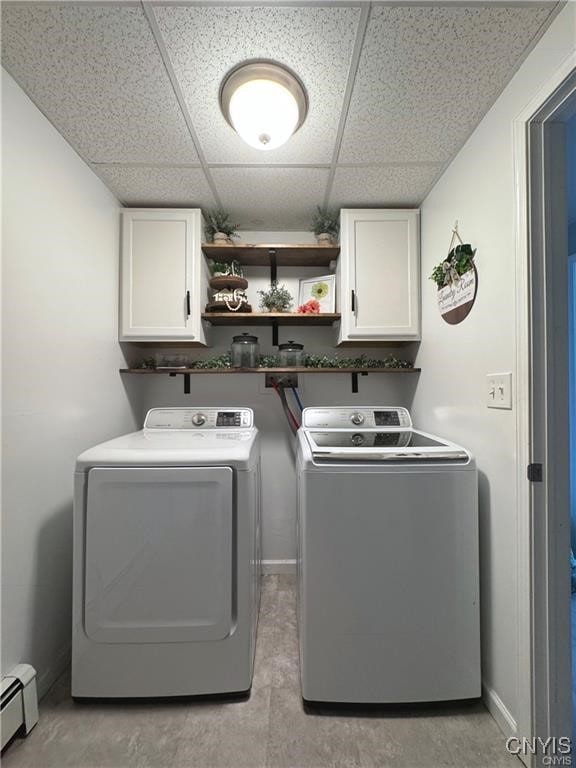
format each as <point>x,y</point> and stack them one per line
<point>159,554</point>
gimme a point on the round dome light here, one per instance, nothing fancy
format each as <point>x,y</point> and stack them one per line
<point>264,102</point>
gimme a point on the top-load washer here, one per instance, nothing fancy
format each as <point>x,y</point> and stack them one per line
<point>388,583</point>
<point>167,557</point>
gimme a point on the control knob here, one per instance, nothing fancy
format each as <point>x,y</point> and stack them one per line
<point>357,418</point>
<point>198,419</point>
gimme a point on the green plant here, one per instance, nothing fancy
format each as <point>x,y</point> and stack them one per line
<point>438,275</point>
<point>278,298</point>
<point>226,268</point>
<point>219,361</point>
<point>312,361</point>
<point>217,220</point>
<point>459,260</point>
<point>325,221</point>
<point>326,361</point>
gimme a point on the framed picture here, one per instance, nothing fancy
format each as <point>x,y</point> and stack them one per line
<point>323,289</point>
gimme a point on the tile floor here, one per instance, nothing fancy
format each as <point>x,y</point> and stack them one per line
<point>269,730</point>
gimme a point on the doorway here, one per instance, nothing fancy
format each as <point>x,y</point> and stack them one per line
<point>570,155</point>
<point>546,418</point>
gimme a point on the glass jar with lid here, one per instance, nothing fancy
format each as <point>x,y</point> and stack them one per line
<point>291,354</point>
<point>245,351</point>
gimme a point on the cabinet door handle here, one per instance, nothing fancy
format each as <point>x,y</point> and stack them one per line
<point>353,302</point>
<point>188,303</point>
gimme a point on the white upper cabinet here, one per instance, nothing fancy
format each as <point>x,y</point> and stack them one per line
<point>379,275</point>
<point>163,281</point>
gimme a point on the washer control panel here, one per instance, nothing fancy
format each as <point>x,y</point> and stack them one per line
<point>199,418</point>
<point>348,418</point>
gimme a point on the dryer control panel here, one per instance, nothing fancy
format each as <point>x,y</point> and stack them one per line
<point>228,417</point>
<point>349,418</point>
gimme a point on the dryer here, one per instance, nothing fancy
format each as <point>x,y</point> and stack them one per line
<point>388,582</point>
<point>167,557</point>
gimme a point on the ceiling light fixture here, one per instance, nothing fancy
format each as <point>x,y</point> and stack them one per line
<point>264,102</point>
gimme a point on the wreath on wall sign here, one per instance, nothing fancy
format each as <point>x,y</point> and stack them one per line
<point>457,280</point>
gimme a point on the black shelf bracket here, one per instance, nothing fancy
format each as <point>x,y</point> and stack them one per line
<point>355,381</point>
<point>186,381</point>
<point>272,253</point>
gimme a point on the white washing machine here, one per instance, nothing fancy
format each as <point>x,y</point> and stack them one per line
<point>388,597</point>
<point>167,557</point>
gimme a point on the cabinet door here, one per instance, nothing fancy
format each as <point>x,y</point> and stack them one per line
<point>380,271</point>
<point>161,254</point>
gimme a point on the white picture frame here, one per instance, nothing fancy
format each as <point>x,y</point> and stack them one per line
<point>309,290</point>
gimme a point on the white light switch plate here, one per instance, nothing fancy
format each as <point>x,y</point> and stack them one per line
<point>499,390</point>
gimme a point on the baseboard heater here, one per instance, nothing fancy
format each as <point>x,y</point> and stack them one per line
<point>18,702</point>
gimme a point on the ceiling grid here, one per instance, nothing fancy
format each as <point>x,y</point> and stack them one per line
<point>360,35</point>
<point>149,13</point>
<point>133,87</point>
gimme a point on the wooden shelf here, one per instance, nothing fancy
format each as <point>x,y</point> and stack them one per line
<point>269,318</point>
<point>263,255</point>
<point>293,369</point>
<point>219,282</point>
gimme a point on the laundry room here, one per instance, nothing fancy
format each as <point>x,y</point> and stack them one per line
<point>273,453</point>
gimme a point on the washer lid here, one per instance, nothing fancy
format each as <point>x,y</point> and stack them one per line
<point>375,445</point>
<point>175,448</point>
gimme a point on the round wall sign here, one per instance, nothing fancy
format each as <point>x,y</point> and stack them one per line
<point>457,299</point>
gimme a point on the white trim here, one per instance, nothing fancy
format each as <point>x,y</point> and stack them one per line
<point>499,711</point>
<point>524,590</point>
<point>521,397</point>
<point>278,566</point>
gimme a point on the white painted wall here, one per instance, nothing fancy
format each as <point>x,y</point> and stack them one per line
<point>61,387</point>
<point>278,476</point>
<point>477,190</point>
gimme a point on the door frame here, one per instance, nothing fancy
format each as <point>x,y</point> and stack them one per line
<point>541,647</point>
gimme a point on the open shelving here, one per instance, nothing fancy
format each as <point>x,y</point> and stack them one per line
<point>270,318</point>
<point>273,255</point>
<point>292,369</point>
<point>187,372</point>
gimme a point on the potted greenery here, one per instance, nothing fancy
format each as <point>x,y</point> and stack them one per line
<point>219,268</point>
<point>459,261</point>
<point>218,227</point>
<point>326,226</point>
<point>277,299</point>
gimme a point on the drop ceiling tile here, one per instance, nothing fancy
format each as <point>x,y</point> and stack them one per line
<point>275,198</point>
<point>153,186</point>
<point>96,73</point>
<point>317,43</point>
<point>382,187</point>
<point>428,74</point>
